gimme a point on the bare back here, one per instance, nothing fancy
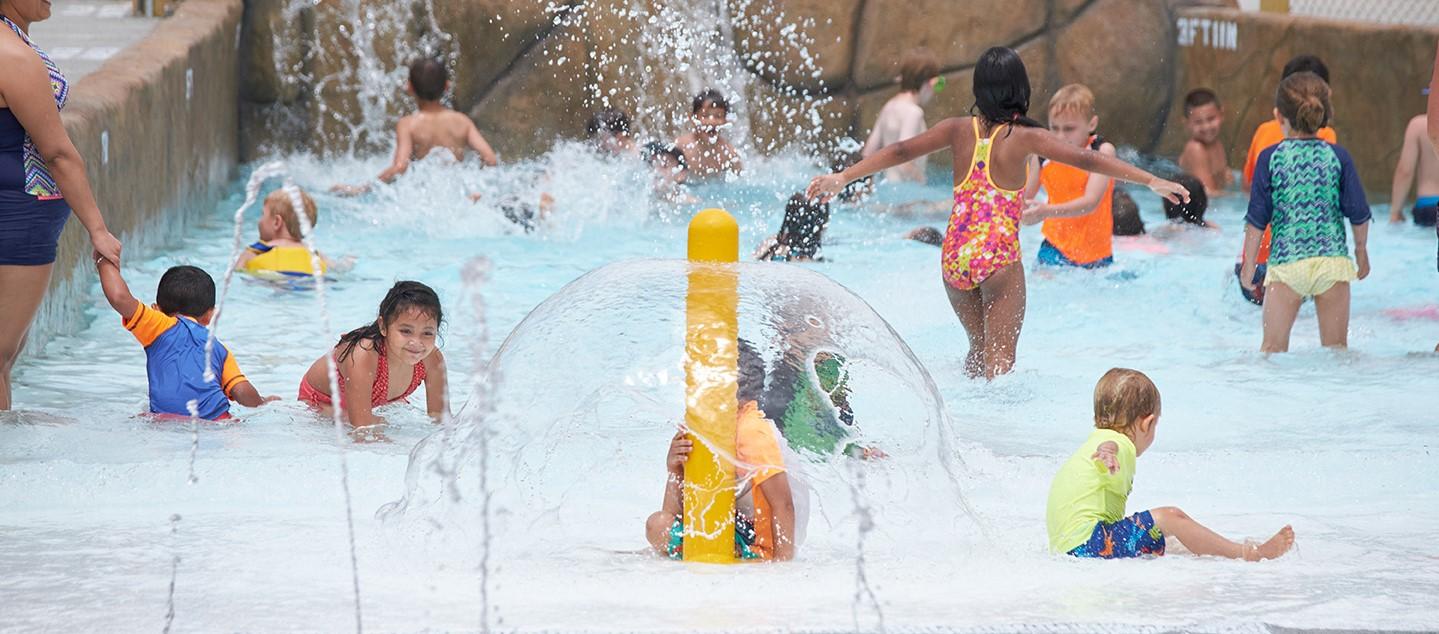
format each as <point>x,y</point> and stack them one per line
<point>1427,171</point>
<point>1007,159</point>
<point>439,129</point>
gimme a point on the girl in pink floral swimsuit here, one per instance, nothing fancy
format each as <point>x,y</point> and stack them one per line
<point>980,260</point>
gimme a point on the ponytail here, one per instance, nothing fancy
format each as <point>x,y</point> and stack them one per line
<point>1303,100</point>
<point>1001,89</point>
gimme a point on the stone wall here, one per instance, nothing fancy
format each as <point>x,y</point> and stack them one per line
<point>158,127</point>
<point>1376,73</point>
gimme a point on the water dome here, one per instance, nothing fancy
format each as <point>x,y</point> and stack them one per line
<point>586,393</point>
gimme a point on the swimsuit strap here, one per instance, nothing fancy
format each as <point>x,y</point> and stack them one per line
<point>380,394</point>
<point>416,379</point>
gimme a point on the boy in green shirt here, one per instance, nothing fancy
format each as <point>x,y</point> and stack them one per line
<point>1086,502</point>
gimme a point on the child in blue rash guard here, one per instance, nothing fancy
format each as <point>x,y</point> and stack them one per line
<point>1304,188</point>
<point>174,332</point>
<point>1085,514</point>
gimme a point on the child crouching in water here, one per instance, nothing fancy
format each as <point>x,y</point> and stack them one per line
<point>385,361</point>
<point>1304,188</point>
<point>1086,502</point>
<point>764,504</point>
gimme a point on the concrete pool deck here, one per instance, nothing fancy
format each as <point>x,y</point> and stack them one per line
<point>81,36</point>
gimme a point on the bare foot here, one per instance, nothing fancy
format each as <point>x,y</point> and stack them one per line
<point>1277,545</point>
<point>974,363</point>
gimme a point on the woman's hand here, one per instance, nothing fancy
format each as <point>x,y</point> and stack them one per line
<point>106,245</point>
<point>1169,190</point>
<point>823,188</point>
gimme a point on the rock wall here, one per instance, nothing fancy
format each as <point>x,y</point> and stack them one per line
<point>530,70</point>
<point>1376,73</point>
<point>158,127</point>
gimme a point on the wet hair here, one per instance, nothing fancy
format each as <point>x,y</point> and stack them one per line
<point>751,373</point>
<point>1126,214</point>
<point>1191,212</point>
<point>1303,100</point>
<point>185,290</point>
<point>653,150</point>
<point>1001,89</point>
<point>803,226</point>
<point>1199,97</point>
<point>918,66</point>
<point>712,97</point>
<point>281,205</point>
<point>1076,98</point>
<point>608,120</point>
<point>403,296</point>
<point>1305,64</point>
<point>1123,397</point>
<point>428,79</point>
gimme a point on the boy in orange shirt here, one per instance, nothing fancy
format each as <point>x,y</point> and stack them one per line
<point>1078,220</point>
<point>1268,134</point>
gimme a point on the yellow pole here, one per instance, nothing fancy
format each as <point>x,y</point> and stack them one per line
<point>711,378</point>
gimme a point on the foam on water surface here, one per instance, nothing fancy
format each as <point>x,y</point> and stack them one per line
<point>1338,444</point>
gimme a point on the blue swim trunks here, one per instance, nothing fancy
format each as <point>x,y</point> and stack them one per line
<point>1133,536</point>
<point>744,537</point>
<point>1050,256</point>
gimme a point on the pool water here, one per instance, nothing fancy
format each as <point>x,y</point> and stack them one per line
<point>1338,444</point>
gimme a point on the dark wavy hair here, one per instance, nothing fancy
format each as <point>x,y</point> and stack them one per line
<point>1001,89</point>
<point>403,296</point>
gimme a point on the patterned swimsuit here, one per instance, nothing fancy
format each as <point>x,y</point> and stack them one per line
<point>983,235</point>
<point>38,181</point>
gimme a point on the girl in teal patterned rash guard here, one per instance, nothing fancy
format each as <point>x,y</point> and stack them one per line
<point>1305,188</point>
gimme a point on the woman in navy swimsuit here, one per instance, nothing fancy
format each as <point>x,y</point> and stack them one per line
<point>37,163</point>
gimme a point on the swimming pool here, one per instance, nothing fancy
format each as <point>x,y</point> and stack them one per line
<point>1337,443</point>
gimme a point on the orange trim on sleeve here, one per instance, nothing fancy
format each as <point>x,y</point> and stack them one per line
<point>148,323</point>
<point>230,374</point>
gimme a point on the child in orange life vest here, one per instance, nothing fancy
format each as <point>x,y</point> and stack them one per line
<point>1078,223</point>
<point>279,250</point>
<point>764,505</point>
<point>1268,135</point>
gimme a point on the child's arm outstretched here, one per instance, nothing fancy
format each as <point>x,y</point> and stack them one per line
<point>437,399</point>
<point>1044,143</point>
<point>1094,190</point>
<point>932,140</point>
<point>477,143</point>
<point>117,292</point>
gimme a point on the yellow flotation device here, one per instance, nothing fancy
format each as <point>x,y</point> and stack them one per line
<point>281,262</point>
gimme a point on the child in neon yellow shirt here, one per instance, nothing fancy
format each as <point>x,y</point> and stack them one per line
<point>1086,502</point>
